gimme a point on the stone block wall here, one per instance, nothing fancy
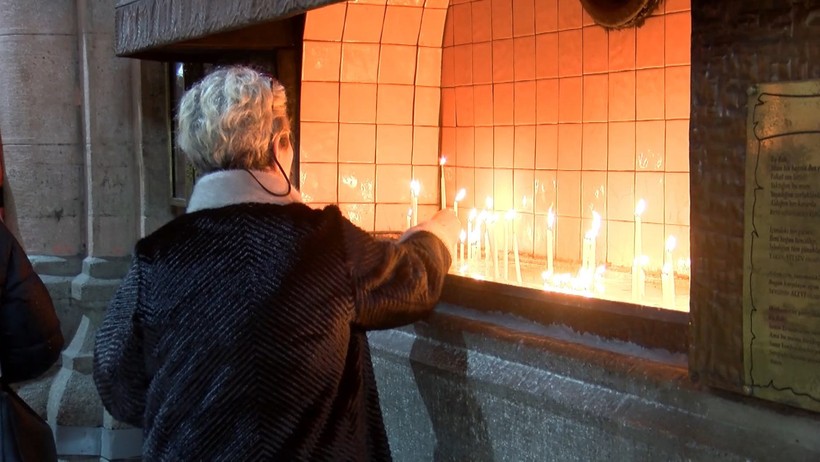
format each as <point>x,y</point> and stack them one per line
<point>735,45</point>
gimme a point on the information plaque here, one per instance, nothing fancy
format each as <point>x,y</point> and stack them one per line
<point>781,287</point>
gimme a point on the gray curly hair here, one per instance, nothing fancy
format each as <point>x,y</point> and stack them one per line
<point>229,119</point>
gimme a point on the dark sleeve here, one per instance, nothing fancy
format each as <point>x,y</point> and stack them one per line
<point>119,366</point>
<point>30,335</point>
<point>395,283</point>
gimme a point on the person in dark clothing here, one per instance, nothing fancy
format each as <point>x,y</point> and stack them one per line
<point>30,335</point>
<point>239,332</point>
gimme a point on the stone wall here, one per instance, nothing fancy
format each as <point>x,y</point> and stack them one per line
<point>79,168</point>
<point>455,388</point>
<point>735,44</point>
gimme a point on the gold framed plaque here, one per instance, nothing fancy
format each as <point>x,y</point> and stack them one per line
<point>781,288</point>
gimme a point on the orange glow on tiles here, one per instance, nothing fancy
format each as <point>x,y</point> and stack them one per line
<point>544,112</point>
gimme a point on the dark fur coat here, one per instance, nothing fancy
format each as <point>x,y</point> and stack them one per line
<point>239,332</point>
<point>30,335</point>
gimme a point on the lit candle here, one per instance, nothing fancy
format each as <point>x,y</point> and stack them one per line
<point>488,210</point>
<point>643,263</point>
<point>415,187</point>
<point>668,274</point>
<point>516,257</point>
<point>593,239</point>
<point>671,243</point>
<point>550,242</point>
<point>508,218</point>
<point>461,237</point>
<point>459,197</point>
<point>470,220</point>
<point>494,241</point>
<point>637,261</point>
<point>480,226</point>
<point>487,246</point>
<point>639,209</point>
<point>441,162</point>
<point>588,259</point>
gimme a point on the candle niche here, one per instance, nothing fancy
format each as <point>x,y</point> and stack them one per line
<point>562,146</point>
<point>582,150</point>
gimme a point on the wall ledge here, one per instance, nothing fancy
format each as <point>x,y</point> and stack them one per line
<point>516,395</point>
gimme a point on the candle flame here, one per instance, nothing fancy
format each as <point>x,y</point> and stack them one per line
<point>461,193</point>
<point>643,260</point>
<point>473,214</point>
<point>550,218</point>
<point>415,187</point>
<point>462,236</point>
<point>488,203</point>
<point>671,242</point>
<point>510,215</point>
<point>640,207</point>
<point>442,160</point>
<point>546,275</point>
<point>596,226</point>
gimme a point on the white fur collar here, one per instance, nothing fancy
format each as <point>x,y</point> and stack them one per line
<point>229,187</point>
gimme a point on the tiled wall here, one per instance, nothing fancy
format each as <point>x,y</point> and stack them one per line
<point>539,108</point>
<point>543,108</point>
<point>371,89</point>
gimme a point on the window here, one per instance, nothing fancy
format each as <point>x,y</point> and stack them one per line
<point>181,77</point>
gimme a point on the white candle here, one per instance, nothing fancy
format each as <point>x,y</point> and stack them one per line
<point>639,277</point>
<point>479,224</point>
<point>459,197</point>
<point>443,161</point>
<point>494,242</point>
<point>488,213</point>
<point>487,247</point>
<point>593,234</point>
<point>461,237</point>
<point>415,187</point>
<point>470,220</point>
<point>508,218</point>
<point>668,274</point>
<point>516,257</point>
<point>671,243</point>
<point>637,260</point>
<point>409,217</point>
<point>639,209</point>
<point>550,242</point>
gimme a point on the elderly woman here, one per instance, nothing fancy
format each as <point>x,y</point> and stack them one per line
<point>239,331</point>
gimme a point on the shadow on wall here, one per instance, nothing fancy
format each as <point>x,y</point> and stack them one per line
<point>455,413</point>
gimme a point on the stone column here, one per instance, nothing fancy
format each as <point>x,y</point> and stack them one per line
<point>40,123</point>
<point>109,169</point>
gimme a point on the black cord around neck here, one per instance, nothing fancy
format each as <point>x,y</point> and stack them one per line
<point>287,180</point>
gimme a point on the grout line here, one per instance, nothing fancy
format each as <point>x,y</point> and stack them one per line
<point>339,107</point>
